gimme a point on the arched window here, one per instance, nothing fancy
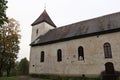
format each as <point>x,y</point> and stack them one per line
<point>80,53</point>
<point>107,50</point>
<point>42,56</point>
<point>37,32</point>
<point>59,55</point>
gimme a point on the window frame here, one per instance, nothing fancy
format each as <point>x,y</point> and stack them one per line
<point>107,50</point>
<point>42,56</point>
<point>59,55</point>
<point>37,32</point>
<point>81,53</point>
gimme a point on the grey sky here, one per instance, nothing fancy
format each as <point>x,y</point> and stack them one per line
<point>62,12</point>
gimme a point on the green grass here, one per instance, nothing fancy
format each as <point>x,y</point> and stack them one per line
<point>76,79</point>
<point>53,77</point>
<point>8,78</point>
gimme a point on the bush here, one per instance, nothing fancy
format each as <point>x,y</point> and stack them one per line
<point>55,77</point>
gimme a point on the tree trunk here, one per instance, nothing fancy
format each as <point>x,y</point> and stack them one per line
<point>1,65</point>
<point>1,71</point>
<point>8,72</point>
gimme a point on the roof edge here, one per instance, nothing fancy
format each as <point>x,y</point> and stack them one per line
<point>77,37</point>
<point>44,21</point>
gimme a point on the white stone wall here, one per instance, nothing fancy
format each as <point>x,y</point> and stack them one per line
<point>42,29</point>
<point>94,59</point>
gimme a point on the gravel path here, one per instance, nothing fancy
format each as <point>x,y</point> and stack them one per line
<point>28,78</point>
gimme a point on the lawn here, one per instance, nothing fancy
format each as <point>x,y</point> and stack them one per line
<point>8,78</point>
<point>49,77</point>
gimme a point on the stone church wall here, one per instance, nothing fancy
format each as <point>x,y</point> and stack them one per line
<point>94,59</point>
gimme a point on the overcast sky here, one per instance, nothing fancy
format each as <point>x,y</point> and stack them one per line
<point>62,12</point>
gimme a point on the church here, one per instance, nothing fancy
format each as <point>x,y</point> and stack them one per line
<point>85,47</point>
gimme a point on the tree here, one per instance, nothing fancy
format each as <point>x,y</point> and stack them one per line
<point>12,44</point>
<point>24,66</point>
<point>3,8</point>
<point>3,19</point>
<point>15,69</point>
<point>9,45</point>
<point>1,53</point>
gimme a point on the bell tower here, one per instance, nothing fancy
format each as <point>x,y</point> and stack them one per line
<point>41,25</point>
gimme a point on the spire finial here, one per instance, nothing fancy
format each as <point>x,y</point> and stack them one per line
<point>45,6</point>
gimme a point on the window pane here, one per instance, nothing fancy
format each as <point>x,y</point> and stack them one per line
<point>42,57</point>
<point>107,50</point>
<point>80,53</point>
<point>59,55</point>
<point>37,32</point>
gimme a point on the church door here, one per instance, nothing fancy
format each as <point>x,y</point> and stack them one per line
<point>109,68</point>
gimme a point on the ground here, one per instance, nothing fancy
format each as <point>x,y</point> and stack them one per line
<point>28,78</point>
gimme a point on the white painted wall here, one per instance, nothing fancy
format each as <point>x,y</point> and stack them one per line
<point>42,29</point>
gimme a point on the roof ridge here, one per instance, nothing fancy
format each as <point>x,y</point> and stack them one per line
<point>80,22</point>
<point>89,19</point>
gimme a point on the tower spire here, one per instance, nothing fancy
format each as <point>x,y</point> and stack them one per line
<point>44,17</point>
<point>45,6</point>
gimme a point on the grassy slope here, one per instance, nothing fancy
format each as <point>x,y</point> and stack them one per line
<point>7,78</point>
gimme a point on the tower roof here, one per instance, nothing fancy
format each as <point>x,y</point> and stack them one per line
<point>44,17</point>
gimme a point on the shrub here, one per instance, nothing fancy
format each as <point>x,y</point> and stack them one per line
<point>56,77</point>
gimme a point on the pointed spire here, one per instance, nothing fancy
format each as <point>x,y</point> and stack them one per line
<point>44,6</point>
<point>44,17</point>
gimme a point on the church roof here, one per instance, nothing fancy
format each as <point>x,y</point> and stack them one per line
<point>101,25</point>
<point>44,17</point>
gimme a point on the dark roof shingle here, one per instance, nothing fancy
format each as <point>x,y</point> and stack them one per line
<point>44,17</point>
<point>102,24</point>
